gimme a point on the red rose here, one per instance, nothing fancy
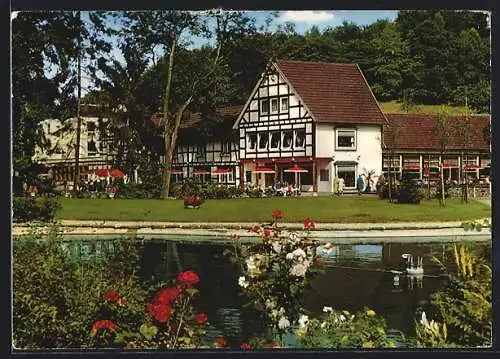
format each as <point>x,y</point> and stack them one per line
<point>245,346</point>
<point>201,318</point>
<point>103,324</point>
<point>188,278</point>
<point>277,214</point>
<point>308,224</point>
<point>167,295</point>
<point>267,232</point>
<point>221,342</point>
<point>112,296</point>
<point>160,312</point>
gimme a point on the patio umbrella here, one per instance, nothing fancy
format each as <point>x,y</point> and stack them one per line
<point>176,171</point>
<point>102,172</point>
<point>220,171</point>
<point>201,172</point>
<point>296,169</point>
<point>116,173</point>
<point>264,170</point>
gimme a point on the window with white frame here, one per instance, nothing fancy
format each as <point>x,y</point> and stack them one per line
<point>226,148</point>
<point>345,139</point>
<point>300,138</point>
<point>264,107</point>
<point>263,140</point>
<point>287,139</point>
<point>275,140</point>
<point>284,104</point>
<point>274,105</point>
<point>251,141</point>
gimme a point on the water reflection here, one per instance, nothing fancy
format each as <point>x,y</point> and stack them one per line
<point>356,276</point>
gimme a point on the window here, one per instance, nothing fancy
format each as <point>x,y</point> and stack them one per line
<point>274,105</point>
<point>264,107</point>
<point>226,148</point>
<point>91,148</point>
<point>287,139</point>
<point>90,126</point>
<point>251,140</point>
<point>284,104</point>
<point>300,138</point>
<point>346,139</point>
<point>263,140</point>
<point>200,152</point>
<point>248,176</point>
<point>324,175</point>
<point>275,140</point>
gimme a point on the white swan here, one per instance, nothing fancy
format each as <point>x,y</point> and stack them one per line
<point>411,268</point>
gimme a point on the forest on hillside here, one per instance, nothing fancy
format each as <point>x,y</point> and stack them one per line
<point>423,57</point>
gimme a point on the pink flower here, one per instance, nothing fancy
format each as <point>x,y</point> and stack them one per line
<point>277,214</point>
<point>246,346</point>
<point>267,232</point>
<point>308,224</point>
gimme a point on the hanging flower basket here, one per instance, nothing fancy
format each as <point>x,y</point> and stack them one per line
<point>194,201</point>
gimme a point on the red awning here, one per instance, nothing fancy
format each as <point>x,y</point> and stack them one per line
<point>449,165</point>
<point>472,166</point>
<point>411,166</point>
<point>264,170</point>
<point>116,173</point>
<point>296,169</point>
<point>220,171</point>
<point>102,172</point>
<point>201,172</point>
<point>176,171</point>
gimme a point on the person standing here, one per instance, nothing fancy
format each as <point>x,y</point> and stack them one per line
<point>360,184</point>
<point>341,186</point>
<point>336,185</point>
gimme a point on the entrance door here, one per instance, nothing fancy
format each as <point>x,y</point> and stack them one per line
<point>348,173</point>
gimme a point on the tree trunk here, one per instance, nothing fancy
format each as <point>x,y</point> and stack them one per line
<point>167,130</point>
<point>466,187</point>
<point>429,177</point>
<point>442,181</point>
<point>390,177</point>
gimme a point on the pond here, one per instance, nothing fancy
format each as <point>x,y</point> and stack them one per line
<point>356,276</point>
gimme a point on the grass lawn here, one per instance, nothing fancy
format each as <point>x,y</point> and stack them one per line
<point>346,209</point>
<point>395,107</point>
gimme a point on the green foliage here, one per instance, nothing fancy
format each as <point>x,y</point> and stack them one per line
<point>408,191</point>
<point>465,304</point>
<point>134,191</point>
<point>341,329</point>
<point>35,208</point>
<point>55,297</point>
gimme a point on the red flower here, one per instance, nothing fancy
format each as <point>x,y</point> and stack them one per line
<point>221,342</point>
<point>267,232</point>
<point>201,318</point>
<point>188,278</point>
<point>254,229</point>
<point>161,312</point>
<point>317,262</point>
<point>277,214</point>
<point>245,346</point>
<point>308,224</point>
<point>103,324</point>
<point>167,295</point>
<point>114,297</point>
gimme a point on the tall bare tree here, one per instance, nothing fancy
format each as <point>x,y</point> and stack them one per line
<point>443,132</point>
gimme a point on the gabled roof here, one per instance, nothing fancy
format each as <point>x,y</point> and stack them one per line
<point>228,113</point>
<point>418,132</point>
<point>333,92</point>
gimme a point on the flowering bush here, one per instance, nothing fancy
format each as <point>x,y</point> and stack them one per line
<point>192,201</point>
<point>172,321</point>
<point>111,190</point>
<point>276,271</point>
<point>341,329</point>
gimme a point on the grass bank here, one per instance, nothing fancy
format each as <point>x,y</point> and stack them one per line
<point>395,107</point>
<point>353,209</point>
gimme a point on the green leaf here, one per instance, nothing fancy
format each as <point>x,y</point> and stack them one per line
<point>148,331</point>
<point>192,291</point>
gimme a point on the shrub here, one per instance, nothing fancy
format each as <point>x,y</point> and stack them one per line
<point>192,201</point>
<point>55,298</point>
<point>409,192</point>
<point>341,329</point>
<point>134,191</point>
<point>35,208</point>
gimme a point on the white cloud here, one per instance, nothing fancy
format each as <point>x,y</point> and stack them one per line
<point>308,16</point>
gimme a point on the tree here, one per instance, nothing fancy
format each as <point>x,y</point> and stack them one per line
<point>443,132</point>
<point>168,29</point>
<point>464,134</point>
<point>393,130</point>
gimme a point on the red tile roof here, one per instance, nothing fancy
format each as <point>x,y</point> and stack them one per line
<point>333,92</point>
<point>418,132</point>
<point>229,112</point>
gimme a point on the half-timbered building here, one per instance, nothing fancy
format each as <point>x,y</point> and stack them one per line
<point>414,144</point>
<point>306,122</point>
<point>206,149</point>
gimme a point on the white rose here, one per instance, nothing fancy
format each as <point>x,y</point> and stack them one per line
<point>283,323</point>
<point>303,321</point>
<point>242,282</point>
